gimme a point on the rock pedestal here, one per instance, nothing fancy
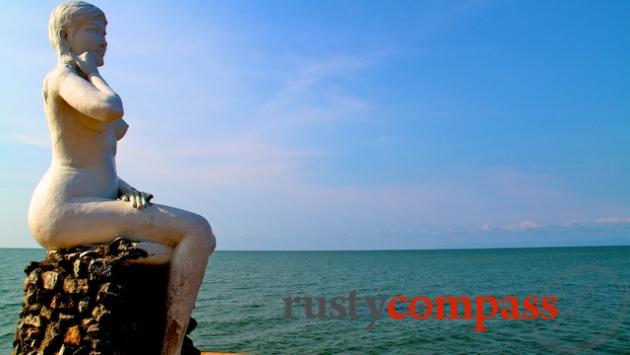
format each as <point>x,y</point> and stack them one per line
<point>90,300</point>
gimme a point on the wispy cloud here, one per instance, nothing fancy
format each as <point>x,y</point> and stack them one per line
<point>312,71</point>
<point>599,221</point>
<point>524,225</point>
<point>32,140</point>
<point>314,91</point>
<point>237,160</point>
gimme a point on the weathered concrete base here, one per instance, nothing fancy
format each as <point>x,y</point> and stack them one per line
<point>93,300</point>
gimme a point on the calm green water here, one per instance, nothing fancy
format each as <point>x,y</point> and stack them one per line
<point>241,309</point>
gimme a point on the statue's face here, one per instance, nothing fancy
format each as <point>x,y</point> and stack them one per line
<point>89,36</point>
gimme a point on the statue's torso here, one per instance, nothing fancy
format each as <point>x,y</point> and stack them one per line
<point>83,159</point>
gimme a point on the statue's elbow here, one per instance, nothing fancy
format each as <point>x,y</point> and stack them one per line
<point>116,114</point>
<point>113,109</point>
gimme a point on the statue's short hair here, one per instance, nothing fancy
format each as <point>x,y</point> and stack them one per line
<point>66,15</point>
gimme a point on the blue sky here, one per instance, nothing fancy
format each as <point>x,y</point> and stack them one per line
<point>351,124</point>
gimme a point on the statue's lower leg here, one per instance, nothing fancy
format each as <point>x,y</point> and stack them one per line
<point>188,265</point>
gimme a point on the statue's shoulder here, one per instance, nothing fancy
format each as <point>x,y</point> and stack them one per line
<point>53,79</point>
<point>58,73</point>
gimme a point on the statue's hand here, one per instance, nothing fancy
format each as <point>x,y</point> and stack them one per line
<point>139,199</point>
<point>86,63</point>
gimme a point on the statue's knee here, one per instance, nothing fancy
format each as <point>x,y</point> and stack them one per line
<point>207,241</point>
<point>213,242</point>
<point>203,230</point>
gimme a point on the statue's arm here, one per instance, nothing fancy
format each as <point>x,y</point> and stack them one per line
<point>91,96</point>
<point>129,194</point>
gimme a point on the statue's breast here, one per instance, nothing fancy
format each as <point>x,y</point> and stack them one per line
<point>120,128</point>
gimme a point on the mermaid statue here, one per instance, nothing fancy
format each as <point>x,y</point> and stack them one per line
<point>81,200</point>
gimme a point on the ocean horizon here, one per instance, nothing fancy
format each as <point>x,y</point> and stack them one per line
<point>393,249</point>
<point>242,304</point>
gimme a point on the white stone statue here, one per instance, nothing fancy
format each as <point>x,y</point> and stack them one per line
<point>80,199</point>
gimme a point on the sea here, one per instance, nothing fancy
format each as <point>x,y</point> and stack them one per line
<point>243,305</point>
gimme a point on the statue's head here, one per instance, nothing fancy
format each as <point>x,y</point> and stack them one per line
<point>76,27</point>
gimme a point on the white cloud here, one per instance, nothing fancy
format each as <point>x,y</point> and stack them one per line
<point>524,225</point>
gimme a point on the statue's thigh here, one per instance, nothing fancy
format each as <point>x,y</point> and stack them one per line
<point>96,220</point>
